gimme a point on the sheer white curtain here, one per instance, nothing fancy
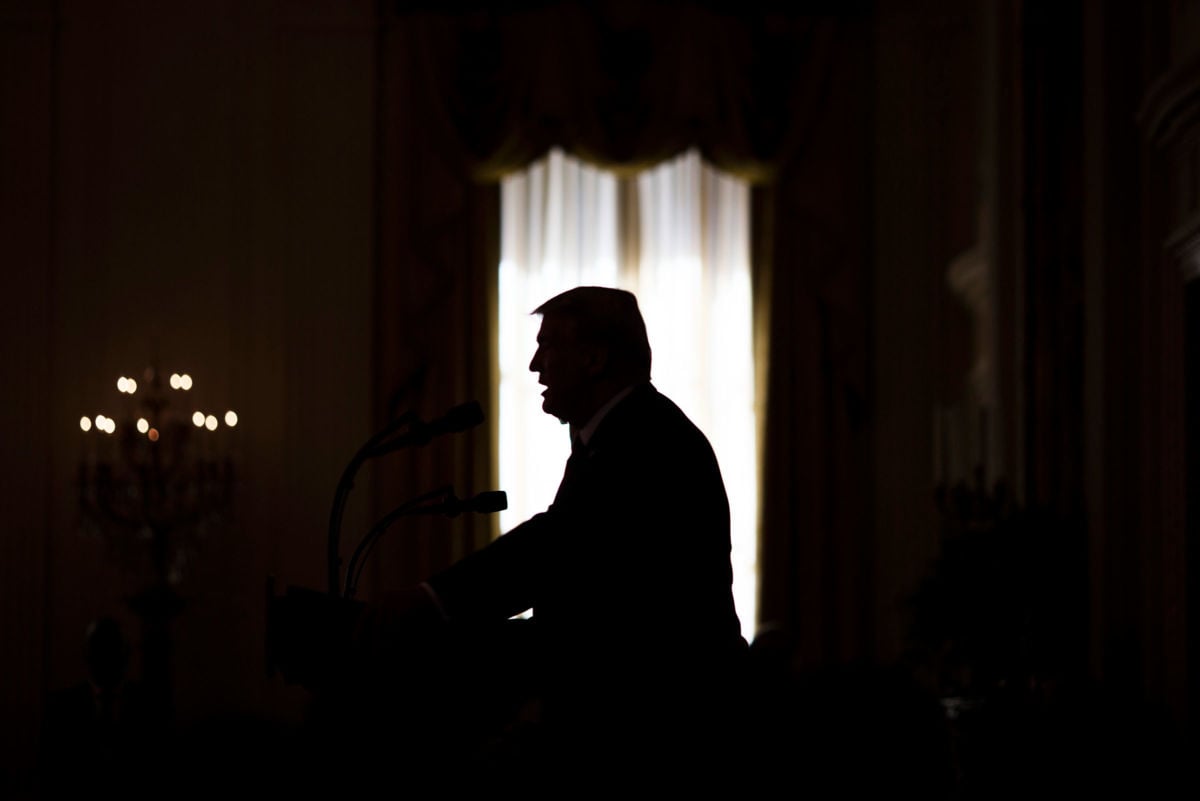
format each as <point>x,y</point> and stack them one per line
<point>677,236</point>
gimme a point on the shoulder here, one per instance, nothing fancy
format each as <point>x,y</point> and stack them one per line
<point>646,405</point>
<point>649,420</point>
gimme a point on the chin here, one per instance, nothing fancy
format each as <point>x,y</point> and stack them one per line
<point>549,408</point>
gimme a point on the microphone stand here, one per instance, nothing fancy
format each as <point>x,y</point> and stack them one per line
<point>459,418</point>
<point>448,504</point>
<point>354,568</point>
<point>345,484</point>
<point>301,620</point>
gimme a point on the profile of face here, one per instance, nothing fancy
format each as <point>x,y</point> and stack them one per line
<point>566,367</point>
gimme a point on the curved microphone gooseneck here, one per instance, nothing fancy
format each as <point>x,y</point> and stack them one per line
<point>448,504</point>
<point>345,484</point>
<point>353,570</point>
<point>388,439</point>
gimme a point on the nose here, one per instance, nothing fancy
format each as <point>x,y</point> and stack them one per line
<point>535,362</point>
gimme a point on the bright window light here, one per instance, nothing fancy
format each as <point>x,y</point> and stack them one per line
<point>678,237</point>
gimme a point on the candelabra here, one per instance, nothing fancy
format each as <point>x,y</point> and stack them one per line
<point>152,482</point>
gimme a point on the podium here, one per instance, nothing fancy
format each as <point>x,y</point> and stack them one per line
<point>431,699</point>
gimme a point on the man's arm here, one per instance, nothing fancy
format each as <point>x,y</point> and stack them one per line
<point>497,581</point>
<point>491,584</point>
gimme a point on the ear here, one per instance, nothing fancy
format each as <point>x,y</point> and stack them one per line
<point>595,360</point>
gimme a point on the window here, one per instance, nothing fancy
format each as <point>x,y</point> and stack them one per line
<point>678,237</point>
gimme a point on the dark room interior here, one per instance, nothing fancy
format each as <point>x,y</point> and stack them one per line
<point>975,262</point>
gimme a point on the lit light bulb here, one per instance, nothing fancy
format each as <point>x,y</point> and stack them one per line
<point>100,421</point>
<point>210,422</point>
<point>153,435</point>
<point>143,425</point>
<point>198,419</point>
<point>85,423</point>
<point>122,384</point>
<point>110,425</point>
<point>185,382</point>
<point>174,381</point>
<point>130,386</point>
<point>231,418</point>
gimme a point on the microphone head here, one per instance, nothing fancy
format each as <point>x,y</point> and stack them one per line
<point>460,418</point>
<point>488,502</point>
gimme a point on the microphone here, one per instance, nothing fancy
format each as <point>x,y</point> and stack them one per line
<point>463,417</point>
<point>483,503</point>
<point>459,418</point>
<point>450,505</point>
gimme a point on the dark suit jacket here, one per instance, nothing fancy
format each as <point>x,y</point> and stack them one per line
<point>628,572</point>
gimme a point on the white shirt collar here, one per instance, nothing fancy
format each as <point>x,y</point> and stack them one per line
<point>585,434</point>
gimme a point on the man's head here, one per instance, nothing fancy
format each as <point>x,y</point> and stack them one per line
<point>591,345</point>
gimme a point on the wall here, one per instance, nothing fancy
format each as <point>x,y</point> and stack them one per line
<point>190,183</point>
<point>929,203</point>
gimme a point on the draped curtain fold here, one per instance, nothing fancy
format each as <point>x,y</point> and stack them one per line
<point>622,85</point>
<point>775,98</point>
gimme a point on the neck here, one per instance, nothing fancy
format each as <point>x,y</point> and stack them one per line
<point>601,394</point>
<point>585,430</point>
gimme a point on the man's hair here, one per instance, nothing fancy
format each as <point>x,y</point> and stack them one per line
<point>608,317</point>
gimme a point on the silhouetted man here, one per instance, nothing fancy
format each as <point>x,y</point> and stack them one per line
<point>627,572</point>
